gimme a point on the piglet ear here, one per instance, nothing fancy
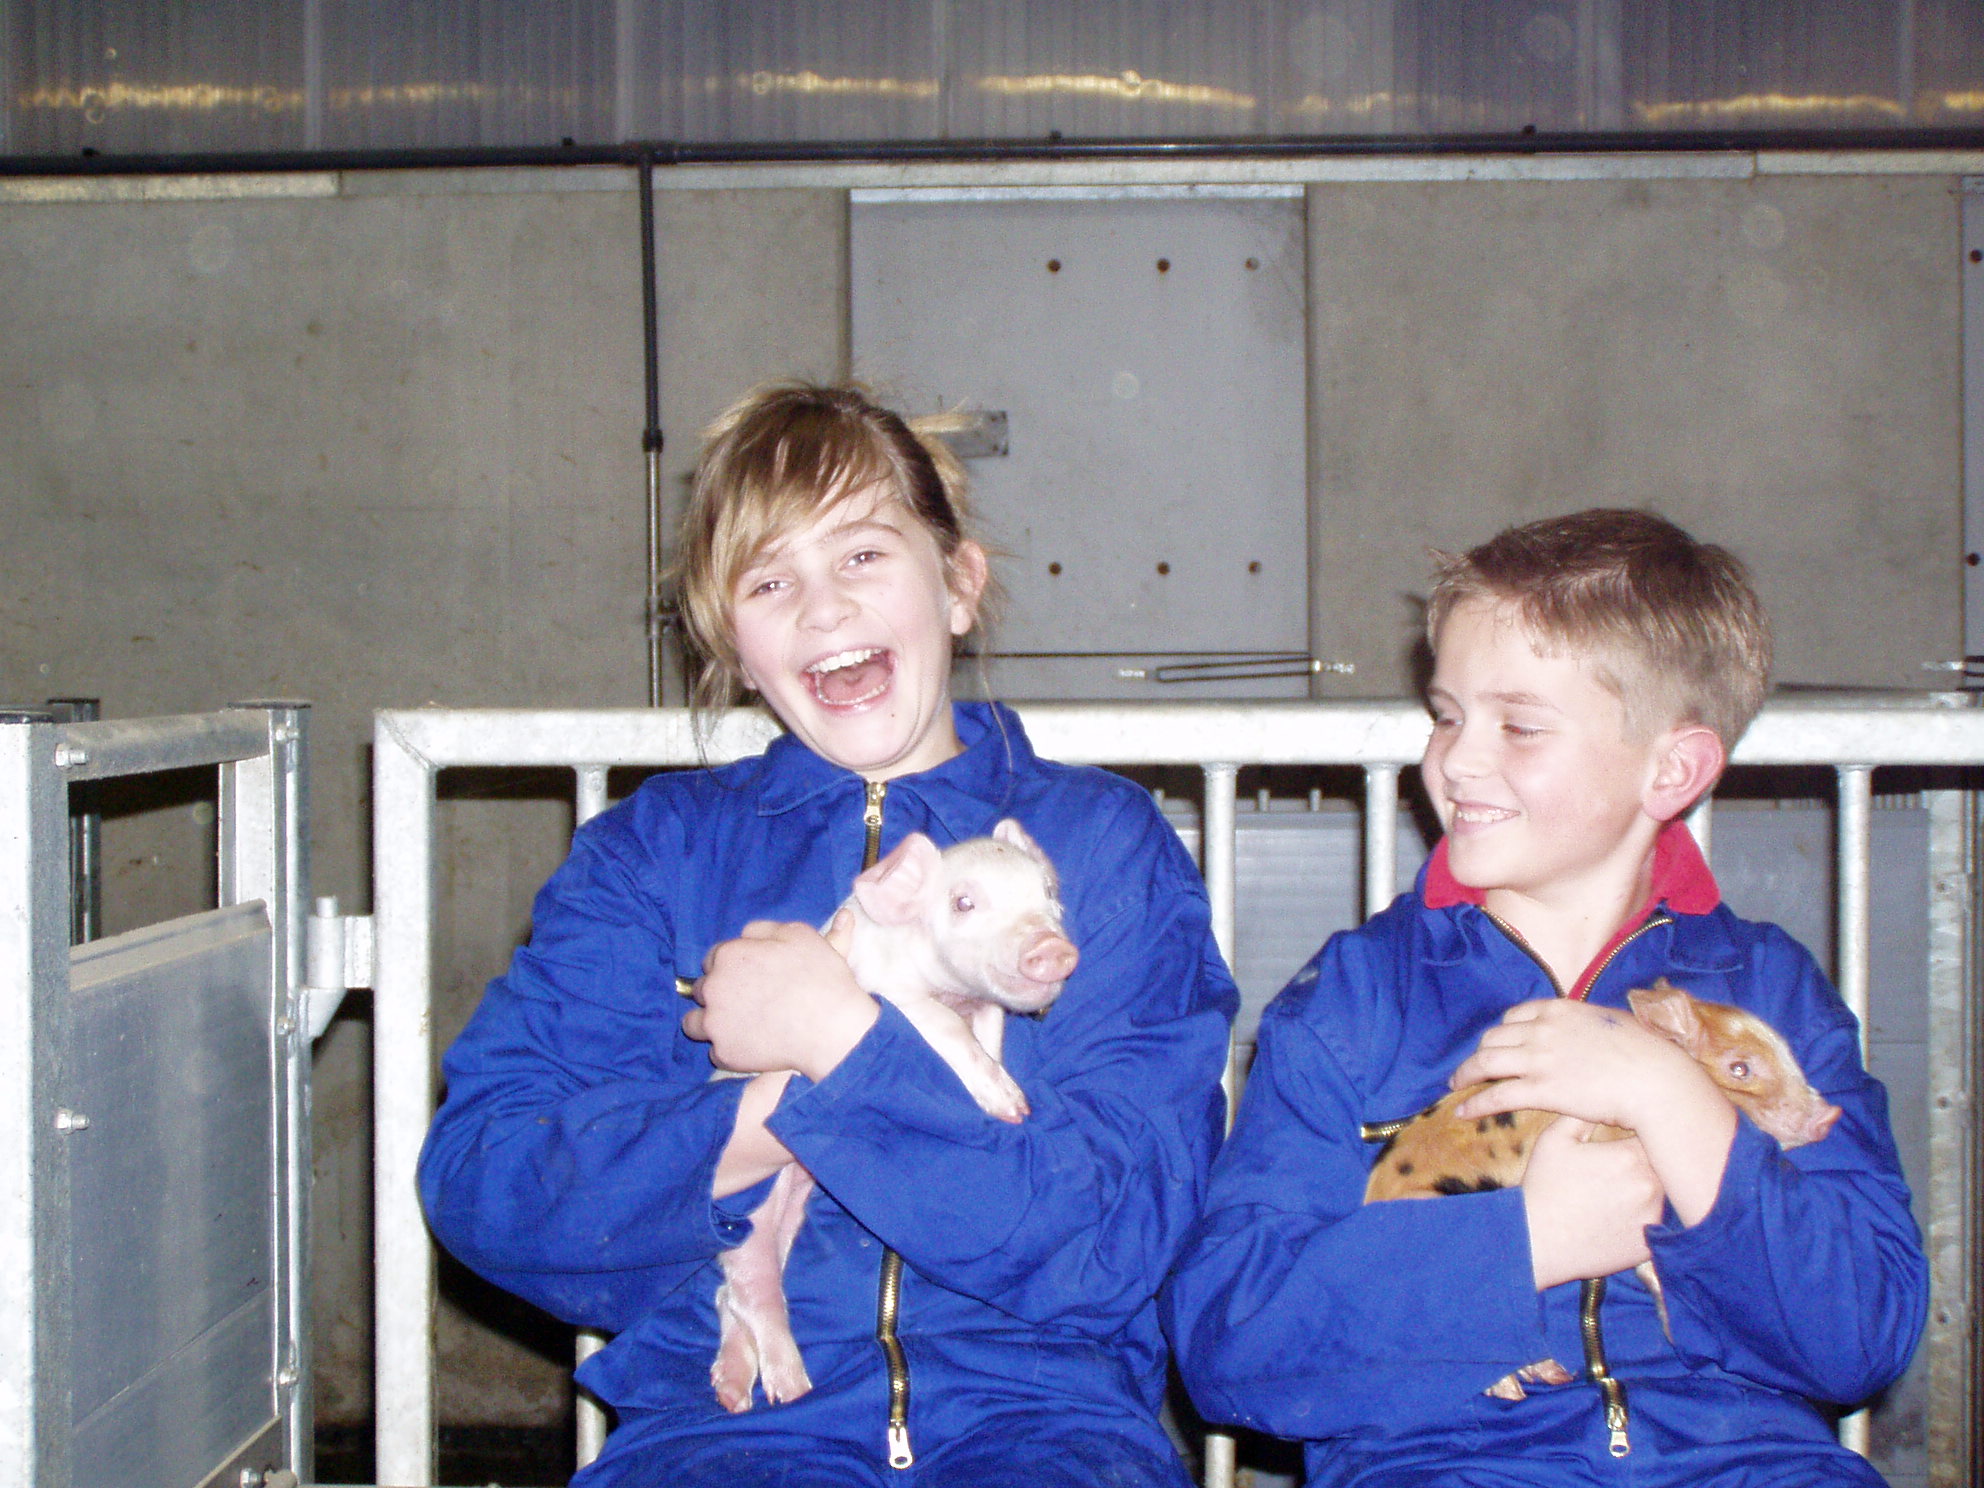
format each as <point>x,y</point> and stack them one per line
<point>1013,834</point>
<point>1669,1012</point>
<point>892,892</point>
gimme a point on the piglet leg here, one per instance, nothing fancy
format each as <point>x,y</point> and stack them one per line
<point>984,1077</point>
<point>754,1331</point>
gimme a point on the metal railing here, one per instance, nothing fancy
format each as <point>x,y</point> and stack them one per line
<point>1851,734</point>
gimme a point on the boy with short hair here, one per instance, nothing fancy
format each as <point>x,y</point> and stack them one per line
<point>1591,673</point>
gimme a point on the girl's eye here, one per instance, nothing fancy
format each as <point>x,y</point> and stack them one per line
<point>961,904</point>
<point>865,556</point>
<point>1520,730</point>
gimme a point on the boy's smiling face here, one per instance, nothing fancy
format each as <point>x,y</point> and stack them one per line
<point>1546,794</point>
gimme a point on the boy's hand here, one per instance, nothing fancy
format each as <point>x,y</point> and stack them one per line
<point>1603,1065</point>
<point>1598,1064</point>
<point>780,997</point>
<point>1588,1204</point>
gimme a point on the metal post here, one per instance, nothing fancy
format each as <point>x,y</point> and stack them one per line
<point>264,854</point>
<point>1701,822</point>
<point>1217,860</point>
<point>1854,859</point>
<point>1955,1027</point>
<point>588,1414</point>
<point>85,835</point>
<point>1380,836</point>
<point>34,1051</point>
<point>403,1104</point>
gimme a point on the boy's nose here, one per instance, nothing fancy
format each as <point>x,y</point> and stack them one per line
<point>1463,757</point>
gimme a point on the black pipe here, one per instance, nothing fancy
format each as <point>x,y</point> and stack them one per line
<point>634,154</point>
<point>651,439</point>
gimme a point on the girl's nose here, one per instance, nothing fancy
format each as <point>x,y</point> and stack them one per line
<point>826,606</point>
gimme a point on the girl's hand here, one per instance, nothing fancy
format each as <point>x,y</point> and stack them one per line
<point>1588,1204</point>
<point>780,997</point>
<point>1598,1064</point>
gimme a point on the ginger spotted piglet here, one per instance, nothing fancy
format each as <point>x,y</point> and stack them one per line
<point>954,940</point>
<point>1436,1153</point>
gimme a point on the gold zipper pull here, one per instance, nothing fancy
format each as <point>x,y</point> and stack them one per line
<point>899,1453</point>
<point>871,817</point>
<point>1615,1422</point>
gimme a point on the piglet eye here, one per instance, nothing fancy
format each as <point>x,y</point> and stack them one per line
<point>961,904</point>
<point>1739,1069</point>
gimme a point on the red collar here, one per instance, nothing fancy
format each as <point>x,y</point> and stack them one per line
<point>1681,881</point>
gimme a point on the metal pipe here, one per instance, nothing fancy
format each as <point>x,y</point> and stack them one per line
<point>1855,859</point>
<point>89,162</point>
<point>1701,822</point>
<point>1380,836</point>
<point>139,746</point>
<point>85,835</point>
<point>1218,860</point>
<point>588,1415</point>
<point>403,1105</point>
<point>651,437</point>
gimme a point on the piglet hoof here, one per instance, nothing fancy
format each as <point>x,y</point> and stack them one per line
<point>784,1373</point>
<point>1544,1372</point>
<point>733,1374</point>
<point>1508,1387</point>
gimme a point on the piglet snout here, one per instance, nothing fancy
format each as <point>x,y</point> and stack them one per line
<point>1048,958</point>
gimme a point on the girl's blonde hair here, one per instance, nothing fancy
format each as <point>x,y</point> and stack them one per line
<point>772,462</point>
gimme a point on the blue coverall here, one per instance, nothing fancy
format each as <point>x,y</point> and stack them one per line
<point>572,1160</point>
<point>1370,1332</point>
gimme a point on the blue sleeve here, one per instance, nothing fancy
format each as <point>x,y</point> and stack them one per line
<point>1808,1275</point>
<point>1300,1311</point>
<point>572,1159</point>
<point>1073,1216</point>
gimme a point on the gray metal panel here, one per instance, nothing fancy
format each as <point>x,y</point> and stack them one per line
<point>173,1217</point>
<point>1148,348</point>
<point>1973,415</point>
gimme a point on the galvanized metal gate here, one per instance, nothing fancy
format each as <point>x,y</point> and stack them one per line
<point>155,1127</point>
<point>1849,736</point>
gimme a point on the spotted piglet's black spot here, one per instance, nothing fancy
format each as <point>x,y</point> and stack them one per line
<point>1450,1186</point>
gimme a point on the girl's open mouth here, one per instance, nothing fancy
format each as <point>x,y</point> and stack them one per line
<point>848,679</point>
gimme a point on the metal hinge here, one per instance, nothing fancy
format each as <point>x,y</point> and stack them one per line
<point>337,956</point>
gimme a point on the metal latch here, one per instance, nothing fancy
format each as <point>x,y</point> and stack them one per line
<point>337,956</point>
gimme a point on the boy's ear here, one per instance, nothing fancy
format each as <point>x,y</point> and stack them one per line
<point>1688,763</point>
<point>966,579</point>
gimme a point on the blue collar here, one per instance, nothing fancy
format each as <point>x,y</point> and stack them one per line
<point>966,793</point>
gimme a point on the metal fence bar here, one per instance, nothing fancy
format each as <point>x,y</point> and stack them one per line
<point>143,746</point>
<point>1380,836</point>
<point>34,1040</point>
<point>1956,1024</point>
<point>402,1104</point>
<point>588,1415</point>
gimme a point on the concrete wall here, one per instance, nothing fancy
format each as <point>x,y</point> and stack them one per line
<point>374,441</point>
<point>1772,362</point>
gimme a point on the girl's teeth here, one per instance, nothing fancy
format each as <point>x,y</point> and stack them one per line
<point>841,659</point>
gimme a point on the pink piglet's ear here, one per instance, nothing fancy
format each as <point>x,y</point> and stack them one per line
<point>1013,834</point>
<point>892,892</point>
